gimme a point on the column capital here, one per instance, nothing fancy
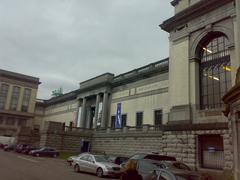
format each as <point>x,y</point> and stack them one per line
<point>81,98</point>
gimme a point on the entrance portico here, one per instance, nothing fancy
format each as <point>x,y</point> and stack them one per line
<point>93,111</point>
<point>93,102</point>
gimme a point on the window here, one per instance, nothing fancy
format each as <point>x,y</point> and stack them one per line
<point>124,120</point>
<point>215,72</point>
<point>211,153</point>
<point>84,158</point>
<point>26,99</point>
<point>3,95</point>
<point>113,121</point>
<point>139,119</point>
<point>1,119</point>
<point>15,97</point>
<point>10,121</point>
<point>22,122</point>
<point>158,117</point>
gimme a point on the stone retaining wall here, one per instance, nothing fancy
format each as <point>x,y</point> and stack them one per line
<point>181,144</point>
<point>63,141</point>
<point>173,140</point>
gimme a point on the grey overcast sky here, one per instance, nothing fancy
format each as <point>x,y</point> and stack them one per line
<point>64,42</point>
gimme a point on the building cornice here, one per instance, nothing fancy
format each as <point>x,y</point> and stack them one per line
<point>62,98</point>
<point>142,73</point>
<point>18,76</point>
<point>110,81</point>
<point>17,113</point>
<point>196,10</point>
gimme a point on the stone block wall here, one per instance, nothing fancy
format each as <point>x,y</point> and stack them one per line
<point>181,144</point>
<point>180,141</point>
<point>63,141</point>
<point>28,136</point>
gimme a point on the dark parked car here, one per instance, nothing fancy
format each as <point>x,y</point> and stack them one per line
<point>20,147</point>
<point>153,156</point>
<point>48,152</point>
<point>149,156</point>
<point>157,170</point>
<point>117,159</point>
<point>2,145</point>
<point>27,149</point>
<point>9,147</point>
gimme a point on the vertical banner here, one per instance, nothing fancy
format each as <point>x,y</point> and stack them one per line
<point>118,116</point>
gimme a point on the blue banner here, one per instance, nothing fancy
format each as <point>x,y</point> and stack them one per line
<point>118,116</point>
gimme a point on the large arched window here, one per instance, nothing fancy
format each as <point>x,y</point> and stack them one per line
<point>215,72</point>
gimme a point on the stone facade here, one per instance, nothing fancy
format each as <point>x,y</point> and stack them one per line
<point>17,101</point>
<point>180,141</point>
<point>180,144</point>
<point>170,86</point>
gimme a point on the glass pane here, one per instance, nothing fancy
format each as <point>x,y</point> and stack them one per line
<point>216,72</point>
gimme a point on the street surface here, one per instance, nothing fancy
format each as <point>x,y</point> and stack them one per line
<point>14,166</point>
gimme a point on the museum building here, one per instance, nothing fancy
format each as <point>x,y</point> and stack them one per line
<point>173,106</point>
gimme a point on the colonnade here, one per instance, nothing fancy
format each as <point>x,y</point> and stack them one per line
<point>86,117</point>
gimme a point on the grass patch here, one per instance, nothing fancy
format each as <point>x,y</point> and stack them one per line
<point>65,155</point>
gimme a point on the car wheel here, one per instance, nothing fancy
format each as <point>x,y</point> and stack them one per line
<point>99,172</point>
<point>54,155</point>
<point>37,154</point>
<point>77,168</point>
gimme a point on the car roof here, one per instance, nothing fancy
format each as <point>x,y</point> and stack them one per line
<point>155,156</point>
<point>160,157</point>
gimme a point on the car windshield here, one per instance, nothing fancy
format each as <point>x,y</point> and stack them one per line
<point>100,159</point>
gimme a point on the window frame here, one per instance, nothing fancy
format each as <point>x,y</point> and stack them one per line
<point>3,95</point>
<point>142,115</point>
<point>16,90</point>
<point>26,99</point>
<point>113,123</point>
<point>213,73</point>
<point>122,120</point>
<point>154,116</point>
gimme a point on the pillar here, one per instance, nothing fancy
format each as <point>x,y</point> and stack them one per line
<point>83,113</point>
<point>236,144</point>
<point>77,113</point>
<point>105,110</point>
<point>88,117</point>
<point>237,45</point>
<point>96,111</point>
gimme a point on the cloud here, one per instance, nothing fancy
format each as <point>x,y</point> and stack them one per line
<point>64,42</point>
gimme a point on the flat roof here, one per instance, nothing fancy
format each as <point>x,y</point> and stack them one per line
<point>18,76</point>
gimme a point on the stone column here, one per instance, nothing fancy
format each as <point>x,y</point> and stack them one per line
<point>88,117</point>
<point>232,111</point>
<point>83,113</point>
<point>236,144</point>
<point>238,30</point>
<point>77,113</point>
<point>96,111</point>
<point>105,110</point>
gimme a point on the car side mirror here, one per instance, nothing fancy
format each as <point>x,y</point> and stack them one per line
<point>93,162</point>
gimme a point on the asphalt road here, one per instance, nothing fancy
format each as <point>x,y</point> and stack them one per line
<point>14,166</point>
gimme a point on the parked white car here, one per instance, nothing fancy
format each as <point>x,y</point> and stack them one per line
<point>97,164</point>
<point>72,158</point>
